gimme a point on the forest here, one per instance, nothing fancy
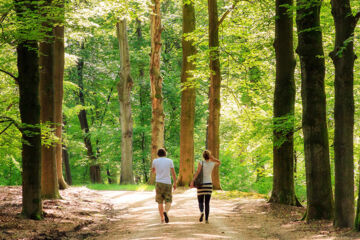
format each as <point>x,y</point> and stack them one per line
<point>90,89</point>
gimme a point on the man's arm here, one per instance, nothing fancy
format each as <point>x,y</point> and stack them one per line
<point>173,177</point>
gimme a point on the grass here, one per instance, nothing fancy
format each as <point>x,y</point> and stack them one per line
<point>117,187</point>
<point>227,195</point>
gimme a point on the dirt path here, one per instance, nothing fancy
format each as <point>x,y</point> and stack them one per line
<point>111,215</point>
<point>136,217</point>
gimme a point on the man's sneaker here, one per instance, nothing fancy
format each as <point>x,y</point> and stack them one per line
<point>201,217</point>
<point>166,217</point>
<point>207,221</point>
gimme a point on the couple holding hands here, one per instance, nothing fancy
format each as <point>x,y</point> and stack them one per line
<point>164,166</point>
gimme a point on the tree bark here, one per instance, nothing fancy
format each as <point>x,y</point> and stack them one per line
<point>157,120</point>
<point>124,87</point>
<point>284,104</point>
<point>188,97</point>
<point>142,101</point>
<point>65,156</point>
<point>29,105</point>
<point>95,173</point>
<point>49,182</point>
<point>213,139</point>
<point>343,58</point>
<point>59,56</point>
<point>316,146</point>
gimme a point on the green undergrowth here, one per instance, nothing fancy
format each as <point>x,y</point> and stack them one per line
<point>227,195</point>
<point>117,187</point>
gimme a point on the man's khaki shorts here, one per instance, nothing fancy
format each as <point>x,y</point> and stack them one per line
<point>163,193</point>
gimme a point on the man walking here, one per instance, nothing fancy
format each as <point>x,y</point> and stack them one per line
<point>162,167</point>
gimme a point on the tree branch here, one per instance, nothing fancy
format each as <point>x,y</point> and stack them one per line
<point>11,75</point>
<point>4,119</point>
<point>11,123</point>
<point>227,12</point>
<point>357,17</point>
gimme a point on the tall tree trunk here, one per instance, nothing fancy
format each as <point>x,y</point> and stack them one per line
<point>29,105</point>
<point>316,145</point>
<point>124,87</point>
<point>95,173</point>
<point>213,139</point>
<point>65,156</point>
<point>157,120</point>
<point>343,57</point>
<point>284,104</point>
<point>188,97</point>
<point>142,100</point>
<point>49,182</point>
<point>59,57</point>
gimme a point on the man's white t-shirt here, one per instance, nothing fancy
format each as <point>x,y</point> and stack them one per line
<point>163,166</point>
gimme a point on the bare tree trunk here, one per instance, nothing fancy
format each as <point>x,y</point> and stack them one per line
<point>157,120</point>
<point>124,87</point>
<point>49,181</point>
<point>29,105</point>
<point>284,104</point>
<point>316,145</point>
<point>65,156</point>
<point>343,57</point>
<point>188,97</point>
<point>142,101</point>
<point>59,56</point>
<point>213,139</point>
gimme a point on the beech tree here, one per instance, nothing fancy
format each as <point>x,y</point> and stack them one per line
<point>343,58</point>
<point>124,87</point>
<point>316,145</point>
<point>188,95</point>
<point>29,104</point>
<point>213,140</point>
<point>59,60</point>
<point>157,119</point>
<point>284,103</point>
<point>49,180</point>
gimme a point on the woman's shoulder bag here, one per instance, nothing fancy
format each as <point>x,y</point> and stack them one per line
<point>199,179</point>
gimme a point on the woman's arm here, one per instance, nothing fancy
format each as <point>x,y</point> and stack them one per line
<point>196,174</point>
<point>217,161</point>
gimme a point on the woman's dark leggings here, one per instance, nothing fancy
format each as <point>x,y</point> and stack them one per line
<point>207,204</point>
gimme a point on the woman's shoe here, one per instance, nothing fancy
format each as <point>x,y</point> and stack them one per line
<point>201,217</point>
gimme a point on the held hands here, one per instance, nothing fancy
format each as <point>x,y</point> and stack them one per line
<point>192,184</point>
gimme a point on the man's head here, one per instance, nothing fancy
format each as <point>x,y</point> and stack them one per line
<point>161,152</point>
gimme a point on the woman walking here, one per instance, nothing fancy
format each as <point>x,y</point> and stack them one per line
<point>205,190</point>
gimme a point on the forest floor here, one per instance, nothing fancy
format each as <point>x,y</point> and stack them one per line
<point>90,214</point>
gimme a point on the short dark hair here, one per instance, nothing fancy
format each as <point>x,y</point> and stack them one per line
<point>206,154</point>
<point>161,152</point>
